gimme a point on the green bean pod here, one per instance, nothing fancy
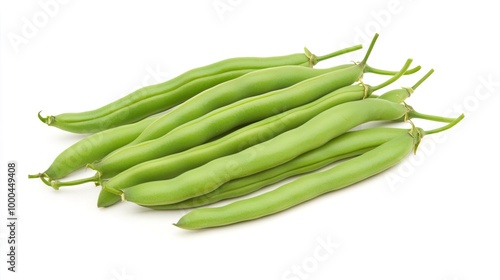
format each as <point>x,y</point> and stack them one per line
<point>312,185</point>
<point>400,95</point>
<point>175,164</point>
<point>156,98</point>
<point>228,117</point>
<point>278,150</point>
<point>96,146</point>
<point>304,188</point>
<point>107,199</point>
<point>138,105</point>
<point>345,146</point>
<point>90,149</point>
<point>251,84</point>
<point>217,122</point>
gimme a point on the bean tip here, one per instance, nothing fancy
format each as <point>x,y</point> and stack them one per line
<point>179,225</point>
<point>46,120</point>
<point>32,176</point>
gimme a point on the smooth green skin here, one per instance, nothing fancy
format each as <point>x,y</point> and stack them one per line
<point>96,146</point>
<point>400,95</point>
<point>160,97</point>
<point>304,188</point>
<point>278,150</point>
<point>173,165</point>
<point>93,147</point>
<point>223,119</point>
<point>148,101</point>
<point>396,95</point>
<point>208,71</point>
<point>107,199</point>
<point>176,164</point>
<point>251,84</point>
<point>345,146</point>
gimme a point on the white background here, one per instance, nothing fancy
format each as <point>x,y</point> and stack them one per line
<point>441,221</point>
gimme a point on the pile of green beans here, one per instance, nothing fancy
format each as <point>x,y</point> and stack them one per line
<point>239,125</point>
<point>209,97</point>
<point>153,99</point>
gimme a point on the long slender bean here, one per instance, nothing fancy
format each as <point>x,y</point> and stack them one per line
<point>309,186</point>
<point>95,147</point>
<point>345,146</point>
<point>228,117</point>
<point>156,98</point>
<point>284,147</point>
<point>304,188</point>
<point>90,149</point>
<point>175,164</point>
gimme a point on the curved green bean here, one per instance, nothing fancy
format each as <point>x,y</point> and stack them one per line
<point>282,148</point>
<point>228,117</point>
<point>310,186</point>
<point>304,188</point>
<point>95,147</point>
<point>400,95</point>
<point>90,149</point>
<point>217,122</point>
<point>345,146</point>
<point>251,84</point>
<point>156,98</point>
<point>176,164</point>
<point>137,105</point>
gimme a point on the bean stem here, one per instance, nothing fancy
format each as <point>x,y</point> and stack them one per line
<point>47,120</point>
<point>339,52</point>
<point>415,114</point>
<point>44,177</point>
<point>415,86</point>
<point>57,184</point>
<point>374,70</point>
<point>395,77</point>
<point>446,127</point>
<point>369,51</point>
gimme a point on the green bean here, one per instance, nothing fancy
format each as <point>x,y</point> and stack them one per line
<point>282,148</point>
<point>90,149</point>
<point>345,146</point>
<point>309,186</point>
<point>136,106</point>
<point>96,147</point>
<point>400,95</point>
<point>228,117</point>
<point>303,189</point>
<point>176,164</point>
<point>107,199</point>
<point>156,98</point>
<point>254,182</point>
<point>251,84</point>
